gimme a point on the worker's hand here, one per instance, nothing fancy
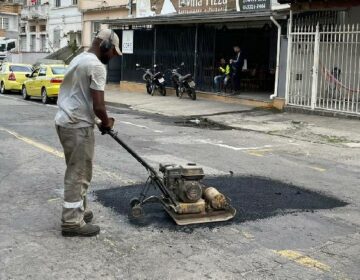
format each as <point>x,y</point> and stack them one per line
<point>106,128</point>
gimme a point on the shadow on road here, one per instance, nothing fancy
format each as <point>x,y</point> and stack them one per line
<point>253,197</point>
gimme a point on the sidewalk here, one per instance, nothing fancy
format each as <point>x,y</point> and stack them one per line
<point>313,128</point>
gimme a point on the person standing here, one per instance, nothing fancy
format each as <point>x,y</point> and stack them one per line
<point>237,65</point>
<point>224,75</point>
<point>81,99</point>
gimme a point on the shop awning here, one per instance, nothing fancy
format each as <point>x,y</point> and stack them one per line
<point>195,18</point>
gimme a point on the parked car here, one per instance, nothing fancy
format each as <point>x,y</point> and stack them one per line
<point>12,76</point>
<point>44,82</point>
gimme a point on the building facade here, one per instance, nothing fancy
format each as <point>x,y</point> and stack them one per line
<point>33,26</point>
<point>64,24</point>
<point>199,33</point>
<point>9,19</point>
<point>94,12</point>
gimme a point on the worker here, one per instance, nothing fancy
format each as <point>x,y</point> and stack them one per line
<point>237,65</point>
<point>81,99</point>
<point>223,75</point>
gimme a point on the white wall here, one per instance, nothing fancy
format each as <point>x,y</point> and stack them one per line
<point>27,58</point>
<point>67,18</point>
<point>276,6</point>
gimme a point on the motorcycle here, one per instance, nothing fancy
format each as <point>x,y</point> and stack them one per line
<point>183,84</point>
<point>154,80</point>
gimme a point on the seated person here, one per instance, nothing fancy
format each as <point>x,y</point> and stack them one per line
<point>224,75</point>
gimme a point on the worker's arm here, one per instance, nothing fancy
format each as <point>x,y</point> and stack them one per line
<point>100,110</point>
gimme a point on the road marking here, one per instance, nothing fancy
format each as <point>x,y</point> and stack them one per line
<point>247,235</point>
<point>258,153</point>
<point>303,260</point>
<point>50,150</point>
<point>54,199</point>
<point>141,126</point>
<point>320,169</point>
<point>232,147</point>
<point>41,146</point>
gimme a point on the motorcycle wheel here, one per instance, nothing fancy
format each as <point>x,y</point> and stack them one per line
<point>148,88</point>
<point>162,90</point>
<point>192,93</point>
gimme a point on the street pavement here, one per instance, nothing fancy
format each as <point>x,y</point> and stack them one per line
<point>296,190</point>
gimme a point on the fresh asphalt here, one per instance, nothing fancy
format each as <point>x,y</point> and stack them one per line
<point>297,202</point>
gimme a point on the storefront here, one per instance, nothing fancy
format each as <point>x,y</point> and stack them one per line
<point>199,34</point>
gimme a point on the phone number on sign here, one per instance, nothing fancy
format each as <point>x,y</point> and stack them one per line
<point>254,6</point>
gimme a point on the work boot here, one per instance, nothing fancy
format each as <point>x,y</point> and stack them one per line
<point>88,216</point>
<point>86,231</point>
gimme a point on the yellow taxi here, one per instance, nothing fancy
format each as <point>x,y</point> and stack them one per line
<point>44,82</point>
<point>12,76</point>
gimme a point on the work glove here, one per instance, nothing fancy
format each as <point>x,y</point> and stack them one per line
<point>105,129</point>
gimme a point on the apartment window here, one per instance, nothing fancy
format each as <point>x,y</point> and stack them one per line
<point>42,28</point>
<point>57,38</point>
<point>23,43</point>
<point>33,43</point>
<point>58,3</point>
<point>74,2</point>
<point>23,29</point>
<point>95,28</point>
<point>33,28</point>
<point>43,43</point>
<point>4,23</point>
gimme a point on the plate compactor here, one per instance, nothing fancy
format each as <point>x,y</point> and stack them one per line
<point>183,196</point>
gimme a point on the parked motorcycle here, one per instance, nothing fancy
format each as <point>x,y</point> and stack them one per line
<point>154,80</point>
<point>183,84</point>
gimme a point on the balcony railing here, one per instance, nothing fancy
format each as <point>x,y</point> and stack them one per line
<point>35,12</point>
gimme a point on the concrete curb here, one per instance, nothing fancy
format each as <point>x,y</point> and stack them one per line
<point>134,87</point>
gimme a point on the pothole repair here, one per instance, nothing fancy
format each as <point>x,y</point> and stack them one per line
<point>253,197</point>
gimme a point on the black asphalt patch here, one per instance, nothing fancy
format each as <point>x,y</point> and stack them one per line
<point>253,197</point>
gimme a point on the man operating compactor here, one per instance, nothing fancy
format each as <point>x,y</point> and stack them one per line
<point>80,100</point>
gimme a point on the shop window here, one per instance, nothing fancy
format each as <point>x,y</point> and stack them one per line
<point>74,2</point>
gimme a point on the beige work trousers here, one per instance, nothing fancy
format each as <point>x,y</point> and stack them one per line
<point>78,145</point>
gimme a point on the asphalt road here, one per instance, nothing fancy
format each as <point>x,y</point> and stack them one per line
<point>297,202</point>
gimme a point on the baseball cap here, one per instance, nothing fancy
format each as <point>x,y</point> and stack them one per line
<point>106,34</point>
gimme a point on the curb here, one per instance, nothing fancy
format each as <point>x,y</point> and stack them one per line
<point>134,87</point>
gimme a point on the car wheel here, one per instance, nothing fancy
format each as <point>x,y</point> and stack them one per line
<point>2,88</point>
<point>24,93</point>
<point>44,97</point>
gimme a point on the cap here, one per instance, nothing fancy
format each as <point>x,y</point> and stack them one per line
<point>106,34</point>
